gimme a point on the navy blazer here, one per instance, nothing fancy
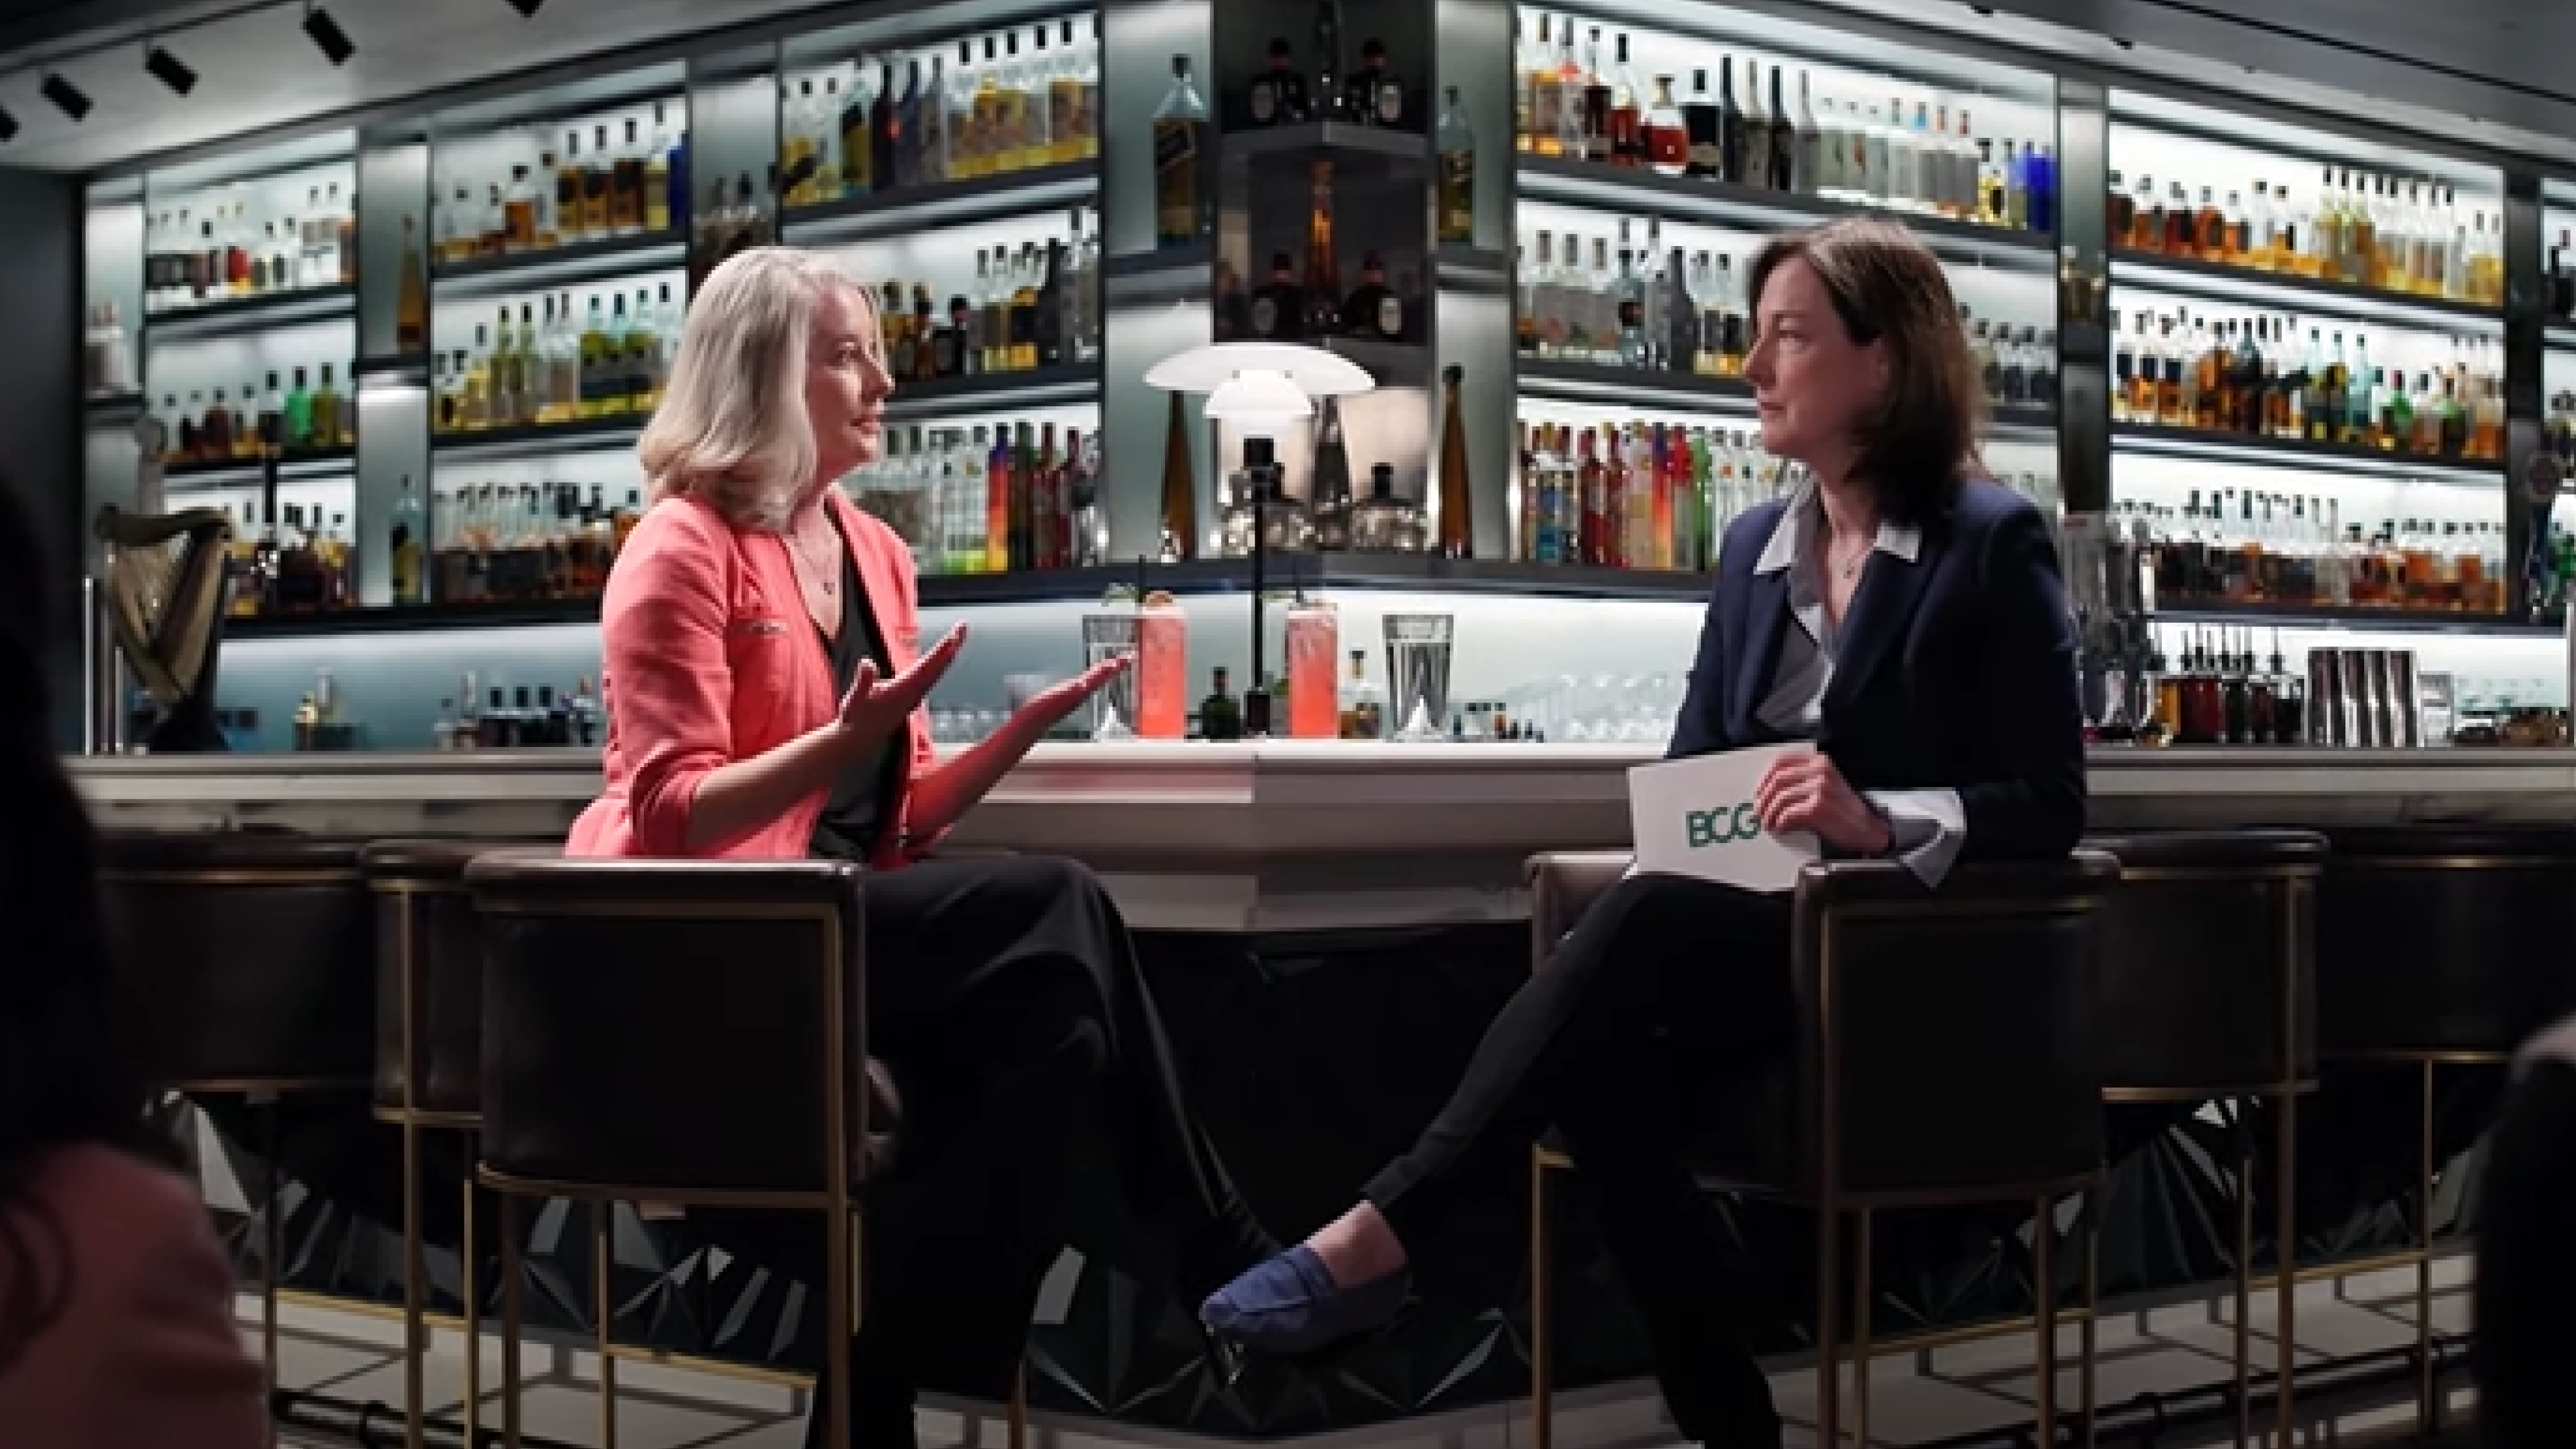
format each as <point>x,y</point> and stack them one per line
<point>1955,671</point>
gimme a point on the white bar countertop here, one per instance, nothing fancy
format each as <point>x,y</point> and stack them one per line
<point>1298,836</point>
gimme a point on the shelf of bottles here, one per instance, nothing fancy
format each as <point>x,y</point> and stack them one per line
<point>2552,570</point>
<point>1650,168</point>
<point>2307,401</point>
<point>957,175</point>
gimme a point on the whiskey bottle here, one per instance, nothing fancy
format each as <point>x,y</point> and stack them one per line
<point>1782,142</point>
<point>1457,142</point>
<point>411,299</point>
<point>1323,292</point>
<point>1220,715</point>
<point>1330,78</point>
<point>1279,308</point>
<point>1701,129</point>
<point>1374,310</point>
<point>1667,135</point>
<point>1277,96</point>
<point>1330,485</point>
<point>1731,149</point>
<point>1376,96</point>
<point>1180,494</point>
<point>1181,203</point>
<point>1457,523</point>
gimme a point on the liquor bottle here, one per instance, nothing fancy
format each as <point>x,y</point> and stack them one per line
<point>1457,174</point>
<point>1782,143</point>
<point>1599,98</point>
<point>1703,131</point>
<point>1667,135</point>
<point>1279,308</point>
<point>1374,310</point>
<point>411,299</point>
<point>1330,78</point>
<point>1457,524</point>
<point>298,418</point>
<point>1731,148</point>
<point>1220,715</point>
<point>1329,486</point>
<point>1627,112</point>
<point>1277,96</point>
<point>1546,86</point>
<point>1323,293</point>
<point>1180,501</point>
<point>1811,147</point>
<point>406,542</point>
<point>858,154</point>
<point>1181,210</point>
<point>1376,96</point>
<point>330,415</point>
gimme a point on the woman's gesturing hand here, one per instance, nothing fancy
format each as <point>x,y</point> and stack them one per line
<point>1050,706</point>
<point>876,706</point>
<point>1803,791</point>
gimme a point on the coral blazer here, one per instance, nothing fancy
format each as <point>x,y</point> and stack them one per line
<point>709,658</point>
<point>142,1350</point>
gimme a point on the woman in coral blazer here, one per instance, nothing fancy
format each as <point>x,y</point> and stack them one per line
<point>765,680</point>
<point>116,1307</point>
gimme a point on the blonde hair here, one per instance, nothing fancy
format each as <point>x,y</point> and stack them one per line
<point>732,426</point>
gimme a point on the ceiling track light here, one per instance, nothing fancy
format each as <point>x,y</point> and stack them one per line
<point>328,37</point>
<point>170,70</point>
<point>66,97</point>
<point>527,8</point>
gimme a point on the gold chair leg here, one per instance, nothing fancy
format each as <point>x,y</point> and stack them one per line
<point>2244,1278</point>
<point>2428,1408</point>
<point>1016,1426</point>
<point>468,1292</point>
<point>2043,1280</point>
<point>272,1188</point>
<point>603,1234</point>
<point>2093,1202</point>
<point>1861,1293</point>
<point>513,1304</point>
<point>1542,1310</point>
<point>1829,1368</point>
<point>2285,1251</point>
<point>415,1269</point>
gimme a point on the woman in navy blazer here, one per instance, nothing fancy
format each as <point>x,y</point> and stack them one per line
<point>1902,613</point>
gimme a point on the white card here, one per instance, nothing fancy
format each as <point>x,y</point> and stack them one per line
<point>1695,818</point>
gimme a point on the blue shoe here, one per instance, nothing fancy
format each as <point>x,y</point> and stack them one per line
<point>1289,1307</point>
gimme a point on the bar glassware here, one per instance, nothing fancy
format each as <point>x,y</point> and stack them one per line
<point>1106,637</point>
<point>1417,673</point>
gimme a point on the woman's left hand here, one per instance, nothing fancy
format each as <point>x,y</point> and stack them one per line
<point>1050,706</point>
<point>1803,791</point>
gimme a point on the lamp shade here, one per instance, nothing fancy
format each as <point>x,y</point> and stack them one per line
<point>1259,402</point>
<point>1316,372</point>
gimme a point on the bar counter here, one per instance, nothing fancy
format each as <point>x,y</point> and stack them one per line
<point>1295,837</point>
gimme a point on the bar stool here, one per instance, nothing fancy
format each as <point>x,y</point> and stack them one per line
<point>1966,1079</point>
<point>429,1066</point>
<point>2208,990</point>
<point>618,1066</point>
<point>240,961</point>
<point>2441,946</point>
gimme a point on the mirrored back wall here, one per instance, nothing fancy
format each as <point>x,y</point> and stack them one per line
<point>1567,670</point>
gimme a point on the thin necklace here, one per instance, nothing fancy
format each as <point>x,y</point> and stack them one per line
<point>828,578</point>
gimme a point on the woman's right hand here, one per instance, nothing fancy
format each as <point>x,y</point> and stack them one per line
<point>876,706</point>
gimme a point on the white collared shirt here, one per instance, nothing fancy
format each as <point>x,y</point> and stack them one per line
<point>1928,826</point>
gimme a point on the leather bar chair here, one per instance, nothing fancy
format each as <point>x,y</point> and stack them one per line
<point>1944,1056</point>
<point>2209,991</point>
<point>241,970</point>
<point>674,1032</point>
<point>429,1067</point>
<point>2441,946</point>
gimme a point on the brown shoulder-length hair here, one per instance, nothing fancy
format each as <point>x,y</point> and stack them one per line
<point>1922,439</point>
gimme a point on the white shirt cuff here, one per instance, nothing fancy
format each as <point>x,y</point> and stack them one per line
<point>1928,827</point>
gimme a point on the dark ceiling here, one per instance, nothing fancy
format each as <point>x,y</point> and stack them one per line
<point>2496,60</point>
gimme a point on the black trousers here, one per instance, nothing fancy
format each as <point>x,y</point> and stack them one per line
<point>2527,1263</point>
<point>1041,1104</point>
<point>1624,1042</point>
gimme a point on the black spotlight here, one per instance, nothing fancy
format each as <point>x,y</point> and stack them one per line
<point>66,97</point>
<point>527,8</point>
<point>8,126</point>
<point>328,37</point>
<point>170,70</point>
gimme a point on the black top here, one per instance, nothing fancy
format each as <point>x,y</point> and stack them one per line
<point>848,827</point>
